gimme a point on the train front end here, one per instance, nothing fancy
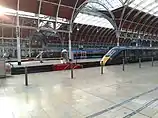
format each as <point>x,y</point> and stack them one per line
<point>104,60</point>
<point>107,58</point>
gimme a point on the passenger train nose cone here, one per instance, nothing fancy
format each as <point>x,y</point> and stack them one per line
<point>104,60</point>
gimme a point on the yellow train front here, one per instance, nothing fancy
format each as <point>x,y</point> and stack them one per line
<point>109,56</point>
<point>114,56</point>
<point>104,60</point>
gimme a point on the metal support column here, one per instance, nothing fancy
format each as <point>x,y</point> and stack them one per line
<point>152,61</point>
<point>123,64</point>
<point>150,43</point>
<point>39,11</point>
<point>26,50</point>
<point>137,43</point>
<point>3,50</point>
<point>26,77</point>
<point>102,68</point>
<point>29,48</point>
<point>13,54</point>
<point>70,55</point>
<point>118,44</point>
<point>139,62</point>
<point>118,38</point>
<point>72,73</point>
<point>18,35</point>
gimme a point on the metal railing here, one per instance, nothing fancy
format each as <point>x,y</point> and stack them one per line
<point>139,61</point>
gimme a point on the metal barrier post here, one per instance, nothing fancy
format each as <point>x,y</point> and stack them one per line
<point>102,68</point>
<point>123,68</point>
<point>26,77</point>
<point>139,62</point>
<point>71,67</point>
<point>152,61</point>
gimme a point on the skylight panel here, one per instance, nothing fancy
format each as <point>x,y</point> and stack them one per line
<point>148,6</point>
<point>109,4</point>
<point>93,20</point>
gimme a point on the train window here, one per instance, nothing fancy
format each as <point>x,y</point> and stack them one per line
<point>144,53</point>
<point>127,53</point>
<point>111,52</point>
<point>122,53</point>
<point>131,53</point>
<point>154,53</point>
<point>147,53</point>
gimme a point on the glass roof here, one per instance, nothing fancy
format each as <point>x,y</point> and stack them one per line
<point>149,6</point>
<point>92,20</point>
<point>109,4</point>
<point>89,18</point>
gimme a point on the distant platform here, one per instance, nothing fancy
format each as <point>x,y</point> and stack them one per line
<point>29,59</point>
<point>50,62</point>
<point>52,65</point>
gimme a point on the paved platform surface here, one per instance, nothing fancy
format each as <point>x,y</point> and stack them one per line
<point>116,94</point>
<point>49,62</point>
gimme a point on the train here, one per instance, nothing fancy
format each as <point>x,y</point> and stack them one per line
<point>88,53</point>
<point>130,54</point>
<point>76,54</point>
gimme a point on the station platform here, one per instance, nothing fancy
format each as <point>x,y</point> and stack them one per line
<point>29,59</point>
<point>132,93</point>
<point>51,65</point>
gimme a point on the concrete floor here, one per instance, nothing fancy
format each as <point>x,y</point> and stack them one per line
<point>116,94</point>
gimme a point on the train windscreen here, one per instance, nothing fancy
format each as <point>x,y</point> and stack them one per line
<point>111,52</point>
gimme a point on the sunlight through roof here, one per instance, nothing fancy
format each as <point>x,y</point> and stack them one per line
<point>92,20</point>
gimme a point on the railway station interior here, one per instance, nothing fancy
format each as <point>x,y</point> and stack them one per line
<point>78,58</point>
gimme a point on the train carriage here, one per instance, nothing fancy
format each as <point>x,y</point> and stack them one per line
<point>130,54</point>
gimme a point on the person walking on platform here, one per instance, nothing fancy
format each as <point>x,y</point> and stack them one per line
<point>64,56</point>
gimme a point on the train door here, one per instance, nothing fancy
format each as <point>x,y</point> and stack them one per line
<point>117,59</point>
<point>138,54</point>
<point>155,54</point>
<point>132,55</point>
<point>149,55</point>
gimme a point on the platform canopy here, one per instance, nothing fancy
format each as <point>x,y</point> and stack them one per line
<point>54,8</point>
